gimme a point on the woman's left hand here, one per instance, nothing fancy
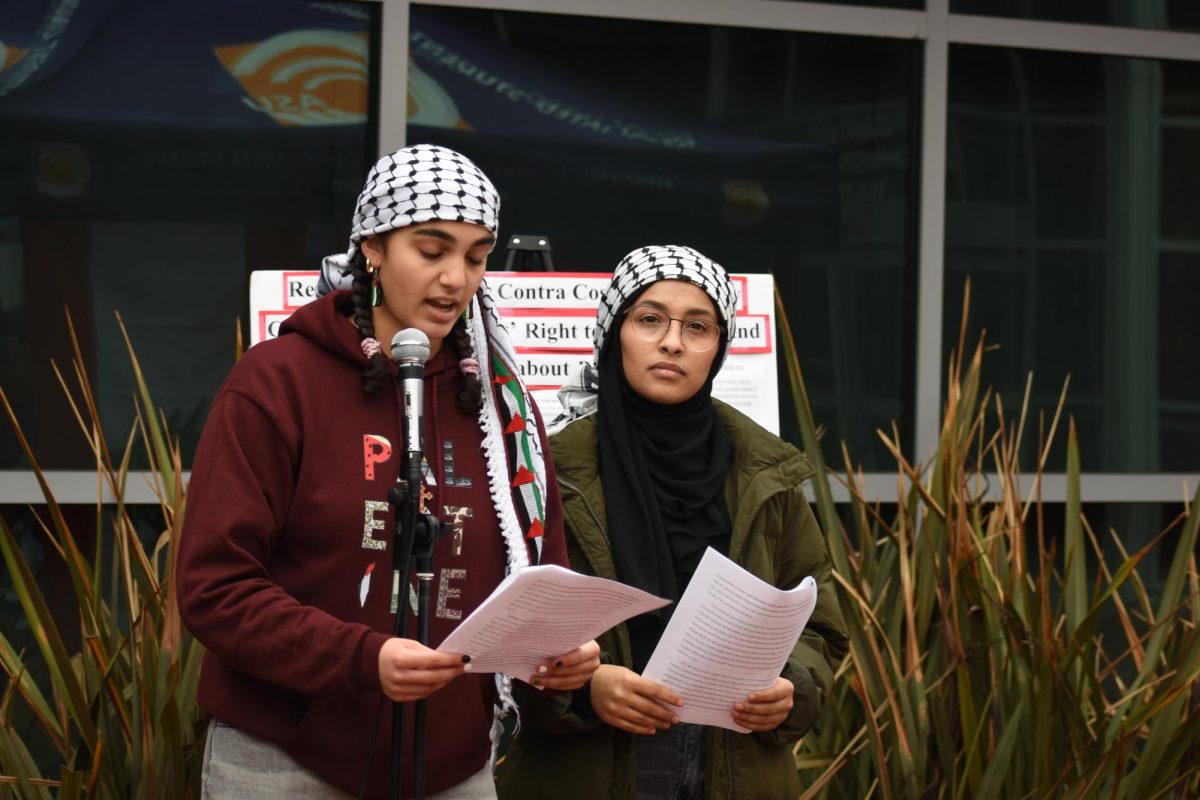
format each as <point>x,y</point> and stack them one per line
<point>766,709</point>
<point>570,670</point>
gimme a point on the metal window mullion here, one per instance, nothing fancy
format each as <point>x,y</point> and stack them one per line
<point>1095,487</point>
<point>1104,40</point>
<point>766,14</point>
<point>76,487</point>
<point>871,21</point>
<point>931,252</point>
<point>393,75</point>
<point>80,487</point>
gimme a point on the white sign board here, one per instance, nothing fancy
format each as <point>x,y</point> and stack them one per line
<point>551,317</point>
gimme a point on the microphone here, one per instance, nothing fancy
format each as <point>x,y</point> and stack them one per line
<point>410,350</point>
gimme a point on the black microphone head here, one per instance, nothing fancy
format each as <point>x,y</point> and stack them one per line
<point>410,344</point>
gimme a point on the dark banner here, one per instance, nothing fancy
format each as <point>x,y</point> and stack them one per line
<point>236,110</point>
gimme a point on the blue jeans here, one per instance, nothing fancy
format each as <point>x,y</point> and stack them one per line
<point>670,764</point>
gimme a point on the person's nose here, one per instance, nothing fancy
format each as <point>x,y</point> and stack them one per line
<point>672,340</point>
<point>454,274</point>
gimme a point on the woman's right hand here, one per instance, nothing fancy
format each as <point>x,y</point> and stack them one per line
<point>409,670</point>
<point>626,700</point>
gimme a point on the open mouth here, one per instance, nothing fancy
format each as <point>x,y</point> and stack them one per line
<point>445,306</point>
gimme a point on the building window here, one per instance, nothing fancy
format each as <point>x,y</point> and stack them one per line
<point>769,151</point>
<point>153,156</point>
<point>1071,195</point>
<point>1174,15</point>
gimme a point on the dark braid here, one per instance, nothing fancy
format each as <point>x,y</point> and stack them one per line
<point>375,375</point>
<point>470,392</point>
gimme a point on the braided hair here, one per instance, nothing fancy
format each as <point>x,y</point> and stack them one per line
<point>375,375</point>
<point>470,392</point>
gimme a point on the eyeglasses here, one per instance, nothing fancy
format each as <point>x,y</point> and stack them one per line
<point>651,324</point>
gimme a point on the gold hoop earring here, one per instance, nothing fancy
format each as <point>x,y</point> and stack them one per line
<point>376,288</point>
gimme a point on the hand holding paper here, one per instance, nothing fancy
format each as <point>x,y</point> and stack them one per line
<point>540,612</point>
<point>766,709</point>
<point>730,636</point>
<point>626,700</point>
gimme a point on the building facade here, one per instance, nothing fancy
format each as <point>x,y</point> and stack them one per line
<point>872,156</point>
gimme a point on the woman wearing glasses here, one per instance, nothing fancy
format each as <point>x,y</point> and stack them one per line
<point>653,471</point>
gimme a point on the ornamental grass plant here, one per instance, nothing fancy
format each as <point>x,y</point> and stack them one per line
<point>117,717</point>
<point>989,659</point>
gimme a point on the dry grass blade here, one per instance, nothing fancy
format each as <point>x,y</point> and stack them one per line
<point>123,706</point>
<point>854,745</point>
<point>825,508</point>
<point>913,474</point>
<point>20,682</point>
<point>159,450</point>
<point>1059,688</point>
<point>47,635</point>
<point>1044,453</point>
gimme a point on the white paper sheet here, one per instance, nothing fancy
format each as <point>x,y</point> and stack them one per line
<point>541,612</point>
<point>729,636</point>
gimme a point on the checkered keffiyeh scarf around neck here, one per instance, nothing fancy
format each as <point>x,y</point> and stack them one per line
<point>415,184</point>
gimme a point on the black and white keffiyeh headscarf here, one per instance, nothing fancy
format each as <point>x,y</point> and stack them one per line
<point>423,183</point>
<point>655,263</point>
<point>635,272</point>
<point>415,184</point>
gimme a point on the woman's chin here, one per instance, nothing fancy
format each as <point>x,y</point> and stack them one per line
<point>436,329</point>
<point>439,322</point>
<point>666,396</point>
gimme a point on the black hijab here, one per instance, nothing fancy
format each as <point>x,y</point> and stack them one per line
<point>663,470</point>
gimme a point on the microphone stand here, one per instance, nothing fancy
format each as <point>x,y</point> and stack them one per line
<point>429,530</point>
<point>404,498</point>
<point>416,533</point>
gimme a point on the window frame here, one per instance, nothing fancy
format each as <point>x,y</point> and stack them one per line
<point>937,29</point>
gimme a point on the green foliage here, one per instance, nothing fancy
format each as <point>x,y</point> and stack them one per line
<point>119,714</point>
<point>985,663</point>
<point>976,670</point>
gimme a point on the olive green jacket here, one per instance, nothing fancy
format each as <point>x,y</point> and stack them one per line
<point>562,749</point>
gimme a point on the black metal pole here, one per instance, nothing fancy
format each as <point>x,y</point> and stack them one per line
<point>402,558</point>
<point>424,563</point>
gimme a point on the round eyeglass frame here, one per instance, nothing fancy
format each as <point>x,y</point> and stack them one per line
<point>650,336</point>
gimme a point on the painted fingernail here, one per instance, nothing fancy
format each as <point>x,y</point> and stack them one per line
<point>558,663</point>
<point>542,670</point>
<point>466,659</point>
<point>536,682</point>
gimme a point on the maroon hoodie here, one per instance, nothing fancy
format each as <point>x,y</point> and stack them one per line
<point>285,564</point>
